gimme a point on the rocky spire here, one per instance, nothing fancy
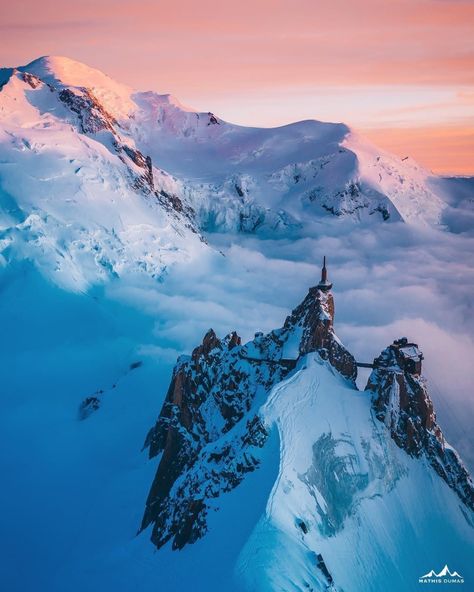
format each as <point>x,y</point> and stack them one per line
<point>209,430</point>
<point>400,399</point>
<point>211,393</point>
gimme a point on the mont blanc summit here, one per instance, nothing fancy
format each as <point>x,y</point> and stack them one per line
<point>78,148</point>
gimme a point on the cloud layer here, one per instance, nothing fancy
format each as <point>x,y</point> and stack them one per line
<point>389,282</point>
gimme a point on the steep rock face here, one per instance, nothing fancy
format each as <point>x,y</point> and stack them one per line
<point>400,399</point>
<point>208,430</point>
<point>210,393</point>
<point>92,115</point>
<point>31,79</point>
<point>314,319</point>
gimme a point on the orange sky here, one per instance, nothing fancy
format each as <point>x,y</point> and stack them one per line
<point>402,71</point>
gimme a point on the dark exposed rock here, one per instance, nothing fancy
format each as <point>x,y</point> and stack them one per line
<point>30,79</point>
<point>232,340</point>
<point>342,211</point>
<point>213,119</point>
<point>170,200</point>
<point>135,156</point>
<point>88,406</point>
<point>383,210</point>
<point>144,181</point>
<point>315,317</point>
<point>210,395</point>
<point>302,525</point>
<point>322,566</point>
<point>250,221</point>
<point>92,116</point>
<point>175,204</point>
<point>209,342</point>
<point>400,399</point>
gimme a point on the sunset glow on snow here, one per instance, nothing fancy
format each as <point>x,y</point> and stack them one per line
<point>401,71</point>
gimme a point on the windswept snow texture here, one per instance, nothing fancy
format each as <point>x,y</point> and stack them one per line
<point>129,225</point>
<point>366,506</point>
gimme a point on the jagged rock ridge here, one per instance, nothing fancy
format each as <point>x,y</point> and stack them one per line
<point>211,394</point>
<point>210,427</point>
<point>400,399</point>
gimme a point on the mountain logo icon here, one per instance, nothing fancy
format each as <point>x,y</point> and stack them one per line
<point>445,576</point>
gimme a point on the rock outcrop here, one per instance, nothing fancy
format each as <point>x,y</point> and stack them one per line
<point>92,116</point>
<point>207,433</point>
<point>210,432</point>
<point>210,393</point>
<point>400,399</point>
<point>314,320</point>
<point>88,407</point>
<point>93,119</point>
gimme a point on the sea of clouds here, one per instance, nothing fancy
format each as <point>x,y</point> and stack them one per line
<point>390,280</point>
<point>91,478</point>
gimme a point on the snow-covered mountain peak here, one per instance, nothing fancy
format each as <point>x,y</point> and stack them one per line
<point>70,130</point>
<point>61,72</point>
<point>338,465</point>
<point>209,429</point>
<point>78,198</point>
<point>65,71</point>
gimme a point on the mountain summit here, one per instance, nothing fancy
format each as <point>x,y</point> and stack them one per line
<point>73,140</point>
<point>351,462</point>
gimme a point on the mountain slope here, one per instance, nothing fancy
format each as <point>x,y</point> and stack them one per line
<point>75,131</point>
<point>78,198</point>
<point>345,493</point>
<point>351,463</point>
